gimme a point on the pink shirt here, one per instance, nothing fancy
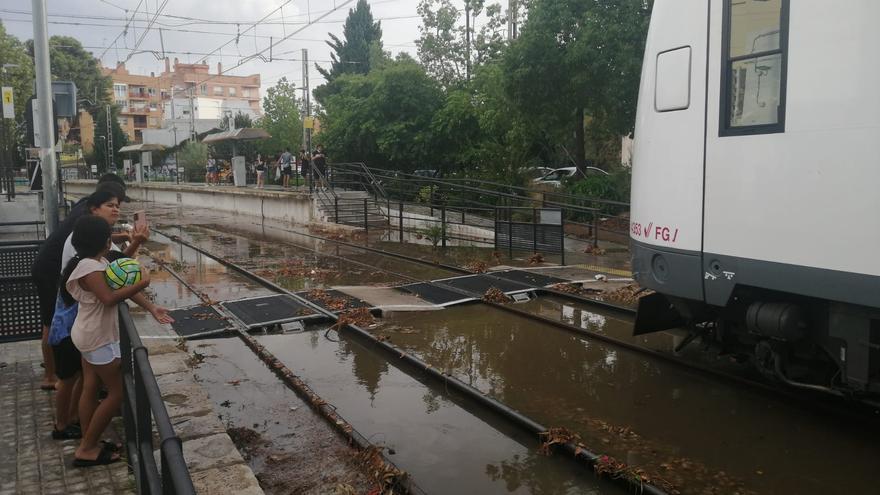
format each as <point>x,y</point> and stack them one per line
<point>96,325</point>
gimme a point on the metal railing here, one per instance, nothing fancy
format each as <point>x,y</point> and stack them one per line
<point>142,404</point>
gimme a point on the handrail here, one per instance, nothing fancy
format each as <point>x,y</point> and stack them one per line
<point>142,405</point>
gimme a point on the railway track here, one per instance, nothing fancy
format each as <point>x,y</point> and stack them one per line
<point>859,410</point>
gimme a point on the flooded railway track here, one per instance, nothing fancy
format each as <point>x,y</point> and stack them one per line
<point>508,427</point>
<point>545,321</point>
<point>864,411</point>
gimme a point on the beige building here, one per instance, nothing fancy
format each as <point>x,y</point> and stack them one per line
<point>142,99</point>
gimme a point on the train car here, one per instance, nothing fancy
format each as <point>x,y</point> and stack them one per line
<point>755,185</point>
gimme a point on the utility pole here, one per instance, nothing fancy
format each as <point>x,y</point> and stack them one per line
<point>44,95</point>
<point>109,139</point>
<point>512,19</point>
<point>307,100</point>
<point>192,113</point>
<point>174,129</point>
<point>467,44</point>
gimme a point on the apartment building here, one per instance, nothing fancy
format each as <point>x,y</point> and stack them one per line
<point>144,100</point>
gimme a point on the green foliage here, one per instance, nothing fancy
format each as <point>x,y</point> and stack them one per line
<point>193,156</point>
<point>120,139</point>
<point>383,117</point>
<point>581,54</point>
<point>434,233</point>
<point>21,79</point>
<point>354,53</point>
<point>442,44</point>
<point>282,111</point>
<point>71,62</point>
<point>613,187</point>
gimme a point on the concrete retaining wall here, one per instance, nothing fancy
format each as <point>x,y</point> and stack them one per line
<point>286,206</point>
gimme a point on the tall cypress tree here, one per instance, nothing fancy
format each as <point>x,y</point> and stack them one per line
<point>351,55</point>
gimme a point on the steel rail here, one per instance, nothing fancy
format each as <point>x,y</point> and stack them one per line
<point>576,451</point>
<point>762,387</point>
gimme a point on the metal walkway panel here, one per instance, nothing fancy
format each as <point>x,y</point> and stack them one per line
<point>333,300</point>
<point>529,278</point>
<point>479,284</point>
<point>267,310</point>
<point>198,321</point>
<point>434,294</point>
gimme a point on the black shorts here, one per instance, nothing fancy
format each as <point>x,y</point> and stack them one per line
<point>68,360</point>
<point>286,171</point>
<point>47,291</point>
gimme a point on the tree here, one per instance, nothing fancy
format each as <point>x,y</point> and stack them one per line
<point>120,139</point>
<point>282,111</point>
<point>19,76</point>
<point>577,58</point>
<point>449,50</point>
<point>71,62</point>
<point>193,158</point>
<point>352,56</point>
<point>383,118</point>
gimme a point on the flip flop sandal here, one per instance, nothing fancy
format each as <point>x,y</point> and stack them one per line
<point>47,387</point>
<point>104,457</point>
<point>111,445</point>
<point>70,433</point>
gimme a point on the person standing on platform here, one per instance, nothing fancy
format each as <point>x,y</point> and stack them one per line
<point>45,268</point>
<point>260,169</point>
<point>304,164</point>
<point>319,159</point>
<point>286,162</point>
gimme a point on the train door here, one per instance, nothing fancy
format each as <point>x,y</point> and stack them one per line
<point>667,186</point>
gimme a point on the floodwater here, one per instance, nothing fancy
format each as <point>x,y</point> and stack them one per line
<point>445,443</point>
<point>290,449</point>
<point>697,433</point>
<point>290,259</point>
<point>206,275</point>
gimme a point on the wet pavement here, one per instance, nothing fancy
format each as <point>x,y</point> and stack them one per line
<point>699,434</point>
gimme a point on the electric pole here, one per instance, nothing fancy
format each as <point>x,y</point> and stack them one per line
<point>467,43</point>
<point>47,127</point>
<point>109,139</point>
<point>512,19</point>
<point>307,101</point>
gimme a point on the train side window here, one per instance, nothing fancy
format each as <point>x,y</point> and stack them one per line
<point>755,46</point>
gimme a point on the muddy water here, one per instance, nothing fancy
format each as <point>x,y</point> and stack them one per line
<point>281,255</point>
<point>702,436</point>
<point>446,448</point>
<point>290,449</point>
<point>208,276</point>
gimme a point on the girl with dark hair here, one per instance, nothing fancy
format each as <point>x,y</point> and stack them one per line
<point>68,362</point>
<point>95,332</point>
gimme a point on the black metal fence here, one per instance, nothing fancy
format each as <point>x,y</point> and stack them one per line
<point>19,305</point>
<point>142,406</point>
<point>535,230</point>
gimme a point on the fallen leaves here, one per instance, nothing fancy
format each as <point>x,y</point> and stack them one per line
<point>476,266</point>
<point>628,294</point>
<point>535,259</point>
<point>495,295</point>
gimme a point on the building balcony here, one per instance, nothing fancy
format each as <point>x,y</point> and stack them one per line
<point>141,96</point>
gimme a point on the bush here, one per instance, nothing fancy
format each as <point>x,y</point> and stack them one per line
<point>613,187</point>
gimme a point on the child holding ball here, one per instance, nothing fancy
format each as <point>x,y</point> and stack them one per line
<point>95,333</point>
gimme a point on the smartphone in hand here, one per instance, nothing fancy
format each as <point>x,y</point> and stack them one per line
<point>140,219</point>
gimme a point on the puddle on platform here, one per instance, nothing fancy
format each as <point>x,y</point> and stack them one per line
<point>290,448</point>
<point>444,447</point>
<point>697,433</point>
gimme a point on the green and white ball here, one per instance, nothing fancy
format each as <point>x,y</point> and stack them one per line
<point>123,272</point>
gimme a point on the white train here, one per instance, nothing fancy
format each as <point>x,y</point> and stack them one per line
<point>755,184</point>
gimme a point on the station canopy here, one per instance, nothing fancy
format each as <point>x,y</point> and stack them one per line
<point>243,134</point>
<point>134,148</point>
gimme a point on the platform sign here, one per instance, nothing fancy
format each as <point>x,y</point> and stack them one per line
<point>8,103</point>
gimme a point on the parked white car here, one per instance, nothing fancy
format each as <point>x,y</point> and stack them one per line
<point>558,175</point>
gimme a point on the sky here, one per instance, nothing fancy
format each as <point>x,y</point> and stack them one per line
<point>99,26</point>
